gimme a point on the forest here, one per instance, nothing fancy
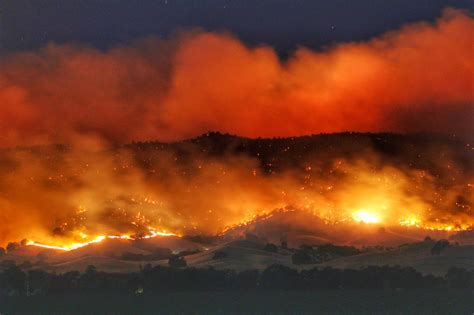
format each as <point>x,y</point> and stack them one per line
<point>16,282</point>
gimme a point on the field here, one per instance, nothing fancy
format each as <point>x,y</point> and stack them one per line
<point>241,255</point>
<point>252,302</point>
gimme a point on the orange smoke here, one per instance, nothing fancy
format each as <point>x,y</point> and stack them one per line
<point>419,78</point>
<point>68,197</point>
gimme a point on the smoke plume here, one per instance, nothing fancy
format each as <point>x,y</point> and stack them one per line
<point>418,78</point>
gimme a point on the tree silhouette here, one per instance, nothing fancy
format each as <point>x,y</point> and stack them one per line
<point>12,246</point>
<point>459,278</point>
<point>14,280</point>
<point>439,246</point>
<point>176,261</point>
<point>219,255</point>
<point>272,248</point>
<point>280,277</point>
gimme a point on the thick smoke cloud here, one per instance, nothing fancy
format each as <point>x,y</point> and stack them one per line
<point>418,78</point>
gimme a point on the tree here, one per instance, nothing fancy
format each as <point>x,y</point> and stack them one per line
<point>459,278</point>
<point>67,282</point>
<point>332,251</point>
<point>90,279</point>
<point>272,248</point>
<point>12,246</point>
<point>280,277</point>
<point>38,282</point>
<point>303,256</point>
<point>327,278</point>
<point>15,280</point>
<point>176,261</point>
<point>247,279</point>
<point>91,271</point>
<point>219,255</point>
<point>439,246</point>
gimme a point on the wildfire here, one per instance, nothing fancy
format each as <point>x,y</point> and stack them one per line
<point>360,216</point>
<point>214,196</point>
<point>69,247</point>
<point>366,217</point>
<point>151,234</point>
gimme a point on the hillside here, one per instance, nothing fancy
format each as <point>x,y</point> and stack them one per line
<point>238,254</point>
<point>270,189</point>
<point>415,255</point>
<point>241,255</point>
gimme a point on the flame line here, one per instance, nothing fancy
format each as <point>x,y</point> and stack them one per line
<point>101,238</point>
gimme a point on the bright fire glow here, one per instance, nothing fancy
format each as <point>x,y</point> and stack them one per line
<point>361,216</point>
<point>68,196</point>
<point>152,233</point>
<point>412,221</point>
<point>365,217</point>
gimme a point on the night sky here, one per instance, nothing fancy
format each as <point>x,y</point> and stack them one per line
<point>284,24</point>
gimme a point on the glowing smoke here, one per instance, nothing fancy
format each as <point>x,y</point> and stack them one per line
<point>65,196</point>
<point>418,78</point>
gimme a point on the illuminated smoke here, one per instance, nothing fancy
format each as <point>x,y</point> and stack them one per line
<point>67,196</point>
<point>418,78</point>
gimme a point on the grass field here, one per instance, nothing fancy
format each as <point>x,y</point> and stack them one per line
<point>251,302</point>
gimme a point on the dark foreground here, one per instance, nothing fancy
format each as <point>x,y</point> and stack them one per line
<point>252,302</point>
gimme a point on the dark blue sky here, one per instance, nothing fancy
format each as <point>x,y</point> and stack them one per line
<point>285,24</point>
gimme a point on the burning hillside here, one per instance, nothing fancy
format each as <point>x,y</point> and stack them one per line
<point>95,187</point>
<point>66,197</point>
